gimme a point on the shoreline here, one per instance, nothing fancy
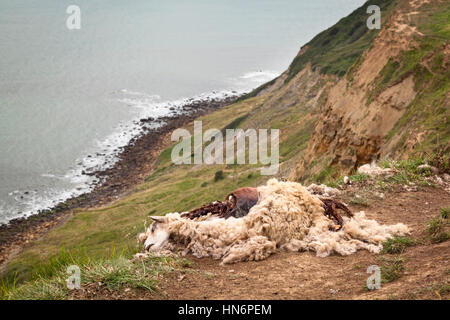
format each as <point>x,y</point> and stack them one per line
<point>135,162</point>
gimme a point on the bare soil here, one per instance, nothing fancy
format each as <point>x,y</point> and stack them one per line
<point>304,276</point>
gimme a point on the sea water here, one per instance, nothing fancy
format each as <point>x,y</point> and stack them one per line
<point>69,99</point>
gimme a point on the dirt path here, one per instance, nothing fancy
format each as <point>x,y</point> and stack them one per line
<point>305,276</point>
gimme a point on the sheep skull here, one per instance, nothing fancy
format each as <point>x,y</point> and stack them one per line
<point>157,235</point>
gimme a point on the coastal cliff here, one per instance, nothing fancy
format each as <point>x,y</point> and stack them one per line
<point>351,96</point>
<point>366,94</point>
<point>393,102</point>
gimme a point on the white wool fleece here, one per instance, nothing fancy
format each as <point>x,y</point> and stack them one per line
<point>286,216</point>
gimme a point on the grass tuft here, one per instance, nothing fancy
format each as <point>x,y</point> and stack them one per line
<point>445,212</point>
<point>113,274</point>
<point>397,245</point>
<point>360,201</point>
<point>218,176</point>
<point>392,269</point>
<point>438,230</point>
<point>359,177</point>
<point>337,49</point>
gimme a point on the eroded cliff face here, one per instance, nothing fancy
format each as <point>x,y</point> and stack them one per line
<point>359,113</point>
<point>294,108</point>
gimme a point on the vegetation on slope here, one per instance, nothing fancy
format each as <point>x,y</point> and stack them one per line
<point>429,112</point>
<point>336,49</point>
<point>104,232</point>
<point>115,272</point>
<point>100,232</point>
<point>94,235</point>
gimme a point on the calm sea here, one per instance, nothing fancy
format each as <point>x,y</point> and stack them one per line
<point>68,98</point>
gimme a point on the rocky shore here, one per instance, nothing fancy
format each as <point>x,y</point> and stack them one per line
<point>135,162</point>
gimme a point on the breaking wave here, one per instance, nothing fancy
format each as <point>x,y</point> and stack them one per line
<point>79,179</point>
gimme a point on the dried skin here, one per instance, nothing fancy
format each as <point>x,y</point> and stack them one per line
<point>331,206</point>
<point>238,203</point>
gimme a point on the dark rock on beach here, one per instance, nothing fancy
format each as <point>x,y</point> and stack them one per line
<point>135,162</point>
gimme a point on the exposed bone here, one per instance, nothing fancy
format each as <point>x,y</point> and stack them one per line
<point>331,206</point>
<point>238,204</point>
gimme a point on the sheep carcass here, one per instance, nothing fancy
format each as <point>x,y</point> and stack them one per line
<point>286,216</point>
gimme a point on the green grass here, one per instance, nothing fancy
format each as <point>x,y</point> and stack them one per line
<point>51,267</point>
<point>334,183</point>
<point>428,111</point>
<point>391,268</point>
<point>445,213</point>
<point>256,91</point>
<point>440,159</point>
<point>328,175</point>
<point>384,78</point>
<point>358,177</point>
<point>406,171</point>
<point>401,178</point>
<point>110,232</point>
<point>218,176</point>
<point>438,24</point>
<point>113,274</point>
<point>236,122</point>
<point>336,49</point>
<point>165,157</point>
<point>438,229</point>
<point>444,290</point>
<point>39,289</point>
<point>102,237</point>
<point>408,166</point>
<point>296,141</point>
<point>397,245</point>
<point>360,201</point>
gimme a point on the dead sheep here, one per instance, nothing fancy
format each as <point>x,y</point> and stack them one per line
<point>287,216</point>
